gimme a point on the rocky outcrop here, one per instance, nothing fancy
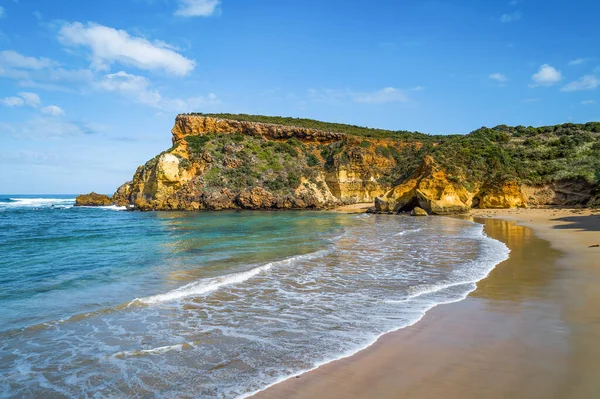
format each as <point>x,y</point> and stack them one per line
<point>507,195</point>
<point>193,125</point>
<point>222,164</point>
<point>428,188</point>
<point>418,212</point>
<point>561,193</point>
<point>93,199</point>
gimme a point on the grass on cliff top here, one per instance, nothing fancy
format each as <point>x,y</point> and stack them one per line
<point>325,126</point>
<point>532,155</point>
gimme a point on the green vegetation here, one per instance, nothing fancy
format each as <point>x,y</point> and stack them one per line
<point>492,155</point>
<point>240,161</point>
<point>529,155</point>
<point>324,126</point>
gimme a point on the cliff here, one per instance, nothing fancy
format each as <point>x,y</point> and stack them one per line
<point>226,164</point>
<point>248,162</point>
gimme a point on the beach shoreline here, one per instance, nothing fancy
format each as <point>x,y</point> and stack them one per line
<point>529,329</point>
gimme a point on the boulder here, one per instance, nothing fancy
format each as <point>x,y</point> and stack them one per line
<point>383,206</point>
<point>418,212</point>
<point>93,199</point>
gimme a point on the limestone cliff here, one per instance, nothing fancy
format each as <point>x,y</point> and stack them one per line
<point>226,164</point>
<point>246,162</point>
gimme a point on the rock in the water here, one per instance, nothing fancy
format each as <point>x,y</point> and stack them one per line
<point>93,199</point>
<point>418,212</point>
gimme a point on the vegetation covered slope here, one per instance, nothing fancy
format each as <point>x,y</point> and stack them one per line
<point>221,161</point>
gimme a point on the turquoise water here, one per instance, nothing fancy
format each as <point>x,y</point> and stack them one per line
<point>105,302</point>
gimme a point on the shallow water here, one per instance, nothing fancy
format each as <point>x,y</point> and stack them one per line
<point>113,303</point>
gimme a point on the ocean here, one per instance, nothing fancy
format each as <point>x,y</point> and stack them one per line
<point>102,302</point>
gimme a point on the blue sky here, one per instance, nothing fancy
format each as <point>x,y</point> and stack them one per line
<point>89,89</point>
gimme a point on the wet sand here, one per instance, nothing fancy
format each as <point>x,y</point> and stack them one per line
<point>530,330</point>
<point>361,207</point>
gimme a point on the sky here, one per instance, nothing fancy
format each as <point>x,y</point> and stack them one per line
<point>89,90</point>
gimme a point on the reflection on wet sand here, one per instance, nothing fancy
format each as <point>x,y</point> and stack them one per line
<point>532,264</point>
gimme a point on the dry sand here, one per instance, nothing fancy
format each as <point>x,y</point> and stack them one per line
<point>530,330</point>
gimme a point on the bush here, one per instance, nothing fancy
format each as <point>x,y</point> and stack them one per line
<point>312,160</point>
<point>383,151</point>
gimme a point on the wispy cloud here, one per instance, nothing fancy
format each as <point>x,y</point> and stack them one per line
<point>2,12</point>
<point>138,88</point>
<point>53,110</point>
<point>29,71</point>
<point>13,59</point>
<point>198,8</point>
<point>50,128</point>
<point>498,77</point>
<point>546,76</point>
<point>385,95</point>
<point>511,17</point>
<point>108,45</point>
<point>587,82</point>
<point>578,61</point>
<point>24,98</point>
<point>501,79</point>
<point>588,102</point>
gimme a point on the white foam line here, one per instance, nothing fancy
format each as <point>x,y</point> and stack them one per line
<point>36,202</point>
<point>159,350</point>
<point>355,351</point>
<point>108,207</point>
<point>408,232</point>
<point>205,286</point>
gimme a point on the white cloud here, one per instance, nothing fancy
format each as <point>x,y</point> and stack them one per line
<point>546,76</point>
<point>12,59</point>
<point>197,8</point>
<point>24,98</point>
<point>511,17</point>
<point>587,82</point>
<point>588,102</point>
<point>40,72</point>
<point>13,101</point>
<point>50,128</point>
<point>53,110</point>
<point>498,77</point>
<point>578,61</point>
<point>139,89</point>
<point>31,99</point>
<point>109,45</point>
<point>385,95</point>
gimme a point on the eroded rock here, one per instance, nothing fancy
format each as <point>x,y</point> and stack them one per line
<point>93,199</point>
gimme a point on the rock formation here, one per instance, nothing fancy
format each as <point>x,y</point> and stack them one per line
<point>418,212</point>
<point>93,199</point>
<point>217,163</point>
<point>221,164</point>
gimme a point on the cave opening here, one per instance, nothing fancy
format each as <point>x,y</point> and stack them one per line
<point>410,205</point>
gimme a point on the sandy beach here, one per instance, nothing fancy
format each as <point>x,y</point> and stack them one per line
<point>530,330</point>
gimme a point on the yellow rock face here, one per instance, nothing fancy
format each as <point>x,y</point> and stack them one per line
<point>509,195</point>
<point>173,180</point>
<point>430,189</point>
